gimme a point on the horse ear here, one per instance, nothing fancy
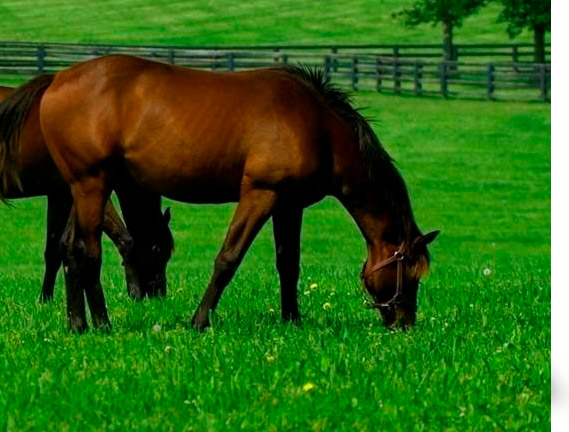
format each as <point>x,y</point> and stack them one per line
<point>167,215</point>
<point>425,239</point>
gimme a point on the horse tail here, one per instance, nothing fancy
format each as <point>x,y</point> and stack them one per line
<point>14,111</point>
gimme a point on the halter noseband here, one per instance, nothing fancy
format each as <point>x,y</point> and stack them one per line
<point>397,257</point>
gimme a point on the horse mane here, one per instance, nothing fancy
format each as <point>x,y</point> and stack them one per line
<point>379,166</point>
<point>14,112</point>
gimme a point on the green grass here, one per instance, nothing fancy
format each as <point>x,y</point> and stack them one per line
<point>479,358</point>
<point>230,22</point>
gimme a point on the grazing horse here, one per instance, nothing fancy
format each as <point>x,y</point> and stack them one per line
<point>274,140</point>
<point>35,174</point>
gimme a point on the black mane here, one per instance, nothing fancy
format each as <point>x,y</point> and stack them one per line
<point>380,168</point>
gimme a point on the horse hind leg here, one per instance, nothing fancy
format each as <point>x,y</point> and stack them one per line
<point>253,210</point>
<point>83,255</point>
<point>58,209</point>
<point>287,222</point>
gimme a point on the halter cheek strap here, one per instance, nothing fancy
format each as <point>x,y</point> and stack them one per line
<point>397,257</point>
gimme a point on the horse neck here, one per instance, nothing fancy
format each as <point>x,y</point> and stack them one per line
<point>381,227</point>
<point>383,215</point>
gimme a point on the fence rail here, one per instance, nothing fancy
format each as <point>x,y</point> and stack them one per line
<point>409,69</point>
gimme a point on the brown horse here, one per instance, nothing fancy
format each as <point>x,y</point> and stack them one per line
<point>274,140</point>
<point>36,175</point>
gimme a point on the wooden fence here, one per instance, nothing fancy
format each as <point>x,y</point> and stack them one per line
<point>409,69</point>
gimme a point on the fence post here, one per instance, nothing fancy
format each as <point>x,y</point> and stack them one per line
<point>171,57</point>
<point>214,61</point>
<point>490,81</point>
<point>40,59</point>
<point>230,62</point>
<point>543,82</point>
<point>418,75</point>
<point>354,73</point>
<point>326,68</point>
<point>378,72</point>
<point>515,57</point>
<point>396,75</point>
<point>444,78</point>
<point>285,59</point>
<point>276,55</point>
<point>395,51</point>
<point>334,59</point>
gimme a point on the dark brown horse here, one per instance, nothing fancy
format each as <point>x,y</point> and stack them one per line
<point>274,140</point>
<point>35,174</point>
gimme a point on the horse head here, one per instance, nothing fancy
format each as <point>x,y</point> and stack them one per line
<point>393,282</point>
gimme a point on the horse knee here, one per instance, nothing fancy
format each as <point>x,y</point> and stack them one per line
<point>65,247</point>
<point>226,263</point>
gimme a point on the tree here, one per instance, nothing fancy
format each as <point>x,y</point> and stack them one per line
<point>534,15</point>
<point>449,13</point>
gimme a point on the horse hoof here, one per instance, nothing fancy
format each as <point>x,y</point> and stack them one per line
<point>200,324</point>
<point>135,293</point>
<point>103,327</point>
<point>291,318</point>
<point>46,298</point>
<point>78,328</point>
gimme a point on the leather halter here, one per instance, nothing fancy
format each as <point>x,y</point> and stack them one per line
<point>397,257</point>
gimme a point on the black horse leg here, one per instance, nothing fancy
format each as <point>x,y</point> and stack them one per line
<point>58,209</point>
<point>114,227</point>
<point>286,228</point>
<point>253,210</point>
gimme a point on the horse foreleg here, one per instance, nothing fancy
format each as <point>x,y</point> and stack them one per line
<point>84,256</point>
<point>253,210</point>
<point>58,209</point>
<point>286,228</point>
<point>114,227</point>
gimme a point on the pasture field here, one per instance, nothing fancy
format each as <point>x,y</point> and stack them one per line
<point>478,359</point>
<point>223,22</point>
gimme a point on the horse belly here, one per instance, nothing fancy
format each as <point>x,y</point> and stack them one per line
<point>192,175</point>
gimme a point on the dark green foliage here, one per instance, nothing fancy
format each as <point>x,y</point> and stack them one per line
<point>449,13</point>
<point>440,11</point>
<point>525,14</point>
<point>534,15</point>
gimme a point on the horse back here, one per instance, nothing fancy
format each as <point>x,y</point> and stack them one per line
<point>184,127</point>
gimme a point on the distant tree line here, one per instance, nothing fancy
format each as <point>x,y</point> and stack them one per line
<point>534,15</point>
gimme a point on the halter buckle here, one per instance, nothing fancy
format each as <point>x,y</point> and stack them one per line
<point>398,255</point>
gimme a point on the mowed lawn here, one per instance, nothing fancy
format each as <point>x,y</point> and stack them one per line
<point>478,359</point>
<point>223,22</point>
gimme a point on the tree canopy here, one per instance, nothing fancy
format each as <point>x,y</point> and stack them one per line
<point>439,11</point>
<point>448,12</point>
<point>525,14</point>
